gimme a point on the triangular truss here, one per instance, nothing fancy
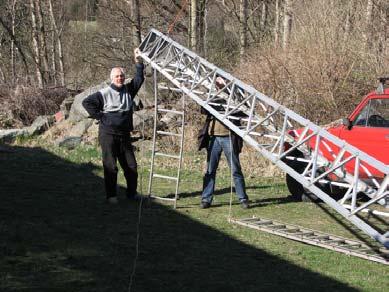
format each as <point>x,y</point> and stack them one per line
<point>266,126</point>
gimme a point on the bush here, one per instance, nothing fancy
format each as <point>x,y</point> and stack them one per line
<point>20,107</point>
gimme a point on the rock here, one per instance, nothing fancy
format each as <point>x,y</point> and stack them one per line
<point>40,124</point>
<point>146,116</point>
<point>91,134</point>
<point>69,142</point>
<point>77,111</point>
<point>9,135</point>
<point>80,128</point>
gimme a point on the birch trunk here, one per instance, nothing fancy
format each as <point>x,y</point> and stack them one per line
<point>42,41</point>
<point>287,27</point>
<point>277,23</point>
<point>13,55</point>
<point>243,27</point>
<point>193,25</point>
<point>35,46</point>
<point>136,28</point>
<point>369,13</point>
<point>56,43</point>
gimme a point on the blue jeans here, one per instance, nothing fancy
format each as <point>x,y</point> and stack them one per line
<point>217,144</point>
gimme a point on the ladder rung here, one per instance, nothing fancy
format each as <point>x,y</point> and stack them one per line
<point>277,226</point>
<point>165,176</point>
<point>167,155</point>
<point>305,233</point>
<point>264,222</point>
<point>162,198</point>
<point>169,133</point>
<point>321,237</point>
<point>292,230</point>
<point>336,241</point>
<point>170,111</point>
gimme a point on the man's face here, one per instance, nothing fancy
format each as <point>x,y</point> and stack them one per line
<point>118,77</point>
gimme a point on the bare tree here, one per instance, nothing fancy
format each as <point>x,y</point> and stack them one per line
<point>287,27</point>
<point>243,27</point>
<point>368,19</point>
<point>264,12</point>
<point>193,25</point>
<point>35,45</point>
<point>136,28</point>
<point>12,5</point>
<point>57,42</point>
<point>277,13</point>
<point>41,31</point>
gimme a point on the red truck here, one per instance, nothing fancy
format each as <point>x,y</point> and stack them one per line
<point>366,128</point>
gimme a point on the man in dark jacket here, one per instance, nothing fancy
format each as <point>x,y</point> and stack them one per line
<point>217,138</point>
<point>113,108</point>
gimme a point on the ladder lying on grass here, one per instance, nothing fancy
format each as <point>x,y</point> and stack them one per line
<point>317,238</point>
<point>266,128</point>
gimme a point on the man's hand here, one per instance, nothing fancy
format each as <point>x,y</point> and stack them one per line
<point>220,82</point>
<point>138,58</point>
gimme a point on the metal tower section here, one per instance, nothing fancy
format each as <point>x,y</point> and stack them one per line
<point>267,126</point>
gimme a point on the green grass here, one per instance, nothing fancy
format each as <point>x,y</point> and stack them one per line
<point>57,233</point>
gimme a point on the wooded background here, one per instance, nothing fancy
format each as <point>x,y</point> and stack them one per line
<point>318,57</point>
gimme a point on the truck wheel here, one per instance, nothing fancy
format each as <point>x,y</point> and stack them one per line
<point>295,188</point>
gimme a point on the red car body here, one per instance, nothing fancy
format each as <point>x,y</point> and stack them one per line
<point>366,128</point>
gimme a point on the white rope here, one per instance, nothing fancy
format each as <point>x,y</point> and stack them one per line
<point>138,230</point>
<point>231,179</point>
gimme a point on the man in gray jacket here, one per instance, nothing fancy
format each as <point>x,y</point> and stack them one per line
<point>113,108</point>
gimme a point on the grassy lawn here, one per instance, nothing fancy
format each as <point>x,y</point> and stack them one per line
<point>58,234</point>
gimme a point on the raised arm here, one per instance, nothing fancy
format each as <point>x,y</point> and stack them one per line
<point>137,81</point>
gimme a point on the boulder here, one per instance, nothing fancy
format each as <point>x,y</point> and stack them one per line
<point>9,135</point>
<point>69,142</point>
<point>40,124</point>
<point>77,111</point>
<point>80,128</point>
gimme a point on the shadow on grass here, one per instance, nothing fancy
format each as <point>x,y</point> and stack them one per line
<point>57,234</point>
<point>218,191</point>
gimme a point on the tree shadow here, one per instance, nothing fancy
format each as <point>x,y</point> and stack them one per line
<point>58,234</point>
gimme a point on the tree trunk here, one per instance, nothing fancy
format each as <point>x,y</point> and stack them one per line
<point>205,29</point>
<point>56,43</point>
<point>287,27</point>
<point>263,21</point>
<point>277,23</point>
<point>13,55</point>
<point>136,28</point>
<point>368,18</point>
<point>201,32</point>
<point>243,27</point>
<point>193,25</point>
<point>35,46</point>
<point>42,41</point>
<point>16,43</point>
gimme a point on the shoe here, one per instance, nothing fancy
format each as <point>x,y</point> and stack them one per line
<point>135,196</point>
<point>245,204</point>
<point>205,205</point>
<point>112,200</point>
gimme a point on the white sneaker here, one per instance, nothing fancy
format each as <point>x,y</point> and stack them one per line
<point>112,200</point>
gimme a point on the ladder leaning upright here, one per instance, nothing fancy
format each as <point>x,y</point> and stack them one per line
<point>156,153</point>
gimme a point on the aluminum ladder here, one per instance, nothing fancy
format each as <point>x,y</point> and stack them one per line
<point>267,126</point>
<point>161,155</point>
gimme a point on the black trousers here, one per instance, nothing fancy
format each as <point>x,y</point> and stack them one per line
<point>118,147</point>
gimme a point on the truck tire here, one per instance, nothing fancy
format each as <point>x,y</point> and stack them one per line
<point>296,189</point>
